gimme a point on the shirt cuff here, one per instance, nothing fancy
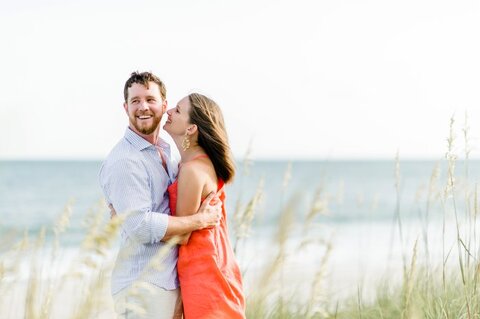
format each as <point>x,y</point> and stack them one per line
<point>159,224</point>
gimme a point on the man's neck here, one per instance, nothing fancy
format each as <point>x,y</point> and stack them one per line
<point>151,138</point>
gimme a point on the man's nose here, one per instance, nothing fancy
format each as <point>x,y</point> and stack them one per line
<point>144,105</point>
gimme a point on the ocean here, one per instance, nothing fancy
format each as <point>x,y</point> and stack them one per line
<point>34,193</point>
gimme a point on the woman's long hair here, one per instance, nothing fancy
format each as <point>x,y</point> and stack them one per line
<point>212,136</point>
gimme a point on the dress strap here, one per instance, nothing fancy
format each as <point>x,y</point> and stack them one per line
<point>199,156</point>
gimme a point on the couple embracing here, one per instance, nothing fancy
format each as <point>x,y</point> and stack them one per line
<point>159,199</point>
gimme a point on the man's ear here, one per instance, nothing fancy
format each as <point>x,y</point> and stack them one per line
<point>125,107</point>
<point>164,106</point>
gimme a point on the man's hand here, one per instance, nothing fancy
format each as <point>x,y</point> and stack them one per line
<point>113,213</point>
<point>210,212</point>
<point>207,216</point>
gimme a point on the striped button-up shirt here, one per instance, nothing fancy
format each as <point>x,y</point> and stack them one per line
<point>135,183</point>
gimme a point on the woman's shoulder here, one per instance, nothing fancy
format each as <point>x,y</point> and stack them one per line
<point>194,169</point>
<point>199,163</point>
<point>201,168</point>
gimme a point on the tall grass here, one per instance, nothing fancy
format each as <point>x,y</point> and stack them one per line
<point>448,289</point>
<point>37,280</point>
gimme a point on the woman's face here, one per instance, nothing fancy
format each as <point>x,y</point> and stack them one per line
<point>178,118</point>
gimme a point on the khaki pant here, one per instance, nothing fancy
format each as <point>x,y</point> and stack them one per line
<point>146,302</point>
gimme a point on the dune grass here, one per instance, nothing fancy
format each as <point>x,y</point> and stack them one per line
<point>445,289</point>
<point>38,281</point>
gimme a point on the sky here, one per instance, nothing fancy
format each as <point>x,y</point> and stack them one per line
<point>295,79</point>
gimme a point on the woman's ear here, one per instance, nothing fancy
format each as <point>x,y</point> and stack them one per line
<point>192,129</point>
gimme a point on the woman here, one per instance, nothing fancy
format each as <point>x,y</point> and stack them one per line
<point>210,279</point>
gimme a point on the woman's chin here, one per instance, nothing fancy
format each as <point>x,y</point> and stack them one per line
<point>166,128</point>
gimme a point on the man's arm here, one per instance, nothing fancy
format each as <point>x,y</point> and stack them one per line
<point>208,215</point>
<point>125,185</point>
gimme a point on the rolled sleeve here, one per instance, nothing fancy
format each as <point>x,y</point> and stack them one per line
<point>126,186</point>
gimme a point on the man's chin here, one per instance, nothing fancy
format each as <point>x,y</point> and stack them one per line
<point>147,131</point>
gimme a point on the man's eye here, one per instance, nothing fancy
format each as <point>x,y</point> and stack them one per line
<point>151,100</point>
<point>134,101</point>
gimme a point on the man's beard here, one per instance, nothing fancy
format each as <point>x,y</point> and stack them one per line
<point>146,129</point>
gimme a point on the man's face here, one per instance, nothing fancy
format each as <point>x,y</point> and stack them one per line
<point>145,108</point>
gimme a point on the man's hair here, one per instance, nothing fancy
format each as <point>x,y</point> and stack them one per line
<point>144,78</point>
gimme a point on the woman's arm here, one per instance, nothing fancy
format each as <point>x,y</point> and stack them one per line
<point>191,181</point>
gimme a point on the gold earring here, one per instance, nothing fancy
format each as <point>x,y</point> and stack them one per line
<point>185,142</point>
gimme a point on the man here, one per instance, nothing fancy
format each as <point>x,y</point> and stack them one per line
<point>134,178</point>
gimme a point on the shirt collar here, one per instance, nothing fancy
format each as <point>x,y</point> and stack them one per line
<point>140,143</point>
<point>164,145</point>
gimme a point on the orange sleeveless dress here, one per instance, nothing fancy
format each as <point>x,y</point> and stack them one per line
<point>210,279</point>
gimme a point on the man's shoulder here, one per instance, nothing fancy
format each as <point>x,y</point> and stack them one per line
<point>122,151</point>
<point>122,156</point>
